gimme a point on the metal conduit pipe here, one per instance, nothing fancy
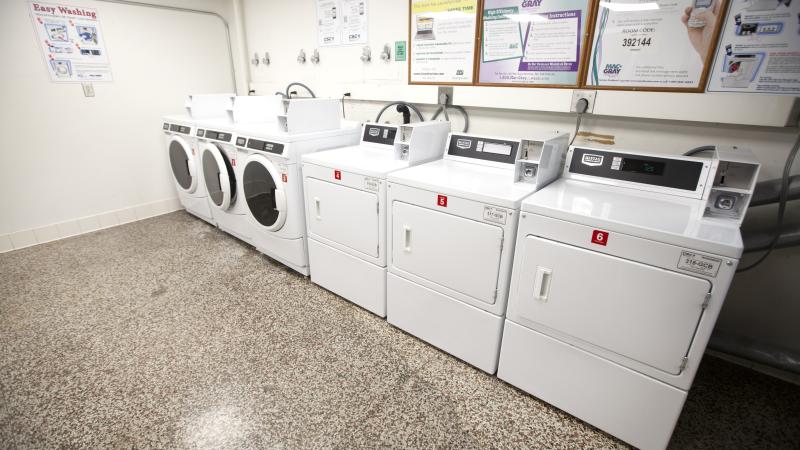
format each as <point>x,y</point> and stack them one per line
<point>189,10</point>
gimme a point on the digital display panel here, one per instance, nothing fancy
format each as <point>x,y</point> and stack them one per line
<point>642,166</point>
<point>497,149</point>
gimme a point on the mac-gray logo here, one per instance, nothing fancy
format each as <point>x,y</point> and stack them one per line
<point>589,159</point>
<point>374,132</point>
<point>463,144</point>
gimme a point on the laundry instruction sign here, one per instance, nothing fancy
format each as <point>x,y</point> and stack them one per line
<point>71,41</point>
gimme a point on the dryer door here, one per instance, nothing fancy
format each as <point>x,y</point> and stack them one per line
<point>182,162</point>
<point>592,300</point>
<point>219,176</point>
<point>343,215</point>
<point>460,254</point>
<point>264,193</point>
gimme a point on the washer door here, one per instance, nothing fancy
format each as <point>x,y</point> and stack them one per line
<point>219,176</point>
<point>264,193</point>
<point>182,162</point>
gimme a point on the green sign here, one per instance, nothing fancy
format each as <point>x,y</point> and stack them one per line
<point>400,51</point>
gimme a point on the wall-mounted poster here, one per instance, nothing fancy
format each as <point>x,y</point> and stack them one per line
<point>654,44</point>
<point>442,36</point>
<point>532,42</point>
<point>759,50</point>
<point>71,42</point>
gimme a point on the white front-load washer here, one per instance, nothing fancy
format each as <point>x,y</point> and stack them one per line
<point>222,172</point>
<point>451,230</point>
<point>272,187</point>
<point>181,143</point>
<point>620,272</point>
<point>345,202</point>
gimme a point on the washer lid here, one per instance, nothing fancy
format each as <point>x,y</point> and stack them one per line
<point>486,184</point>
<point>659,217</point>
<point>219,176</point>
<point>264,193</point>
<point>182,162</point>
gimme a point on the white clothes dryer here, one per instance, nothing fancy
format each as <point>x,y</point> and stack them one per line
<point>620,272</point>
<point>272,187</point>
<point>181,143</point>
<point>346,206</point>
<point>452,225</point>
<point>222,172</point>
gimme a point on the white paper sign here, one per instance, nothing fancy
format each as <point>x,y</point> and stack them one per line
<point>71,41</point>
<point>443,40</point>
<point>759,50</point>
<point>661,43</point>
<point>342,22</point>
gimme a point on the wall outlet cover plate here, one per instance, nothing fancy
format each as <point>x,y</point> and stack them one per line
<point>578,94</point>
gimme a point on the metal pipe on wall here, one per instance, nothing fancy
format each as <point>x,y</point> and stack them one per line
<point>189,10</point>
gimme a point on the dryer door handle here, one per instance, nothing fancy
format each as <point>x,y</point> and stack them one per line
<point>407,238</point>
<point>316,206</point>
<point>541,285</point>
<point>280,200</point>
<point>190,167</point>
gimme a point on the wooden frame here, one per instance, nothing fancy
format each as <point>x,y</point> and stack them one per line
<point>707,63</point>
<point>586,40</point>
<point>478,9</point>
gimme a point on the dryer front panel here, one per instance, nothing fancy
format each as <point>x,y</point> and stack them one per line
<point>455,252</point>
<point>592,299</point>
<point>182,162</point>
<point>344,215</point>
<point>219,176</point>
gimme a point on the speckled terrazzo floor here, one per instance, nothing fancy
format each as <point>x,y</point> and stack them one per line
<point>168,333</point>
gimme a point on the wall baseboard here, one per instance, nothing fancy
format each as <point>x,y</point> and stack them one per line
<point>88,224</point>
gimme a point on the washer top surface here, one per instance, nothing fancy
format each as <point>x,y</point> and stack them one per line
<point>366,159</point>
<point>658,217</point>
<point>219,124</point>
<point>487,184</point>
<point>270,131</point>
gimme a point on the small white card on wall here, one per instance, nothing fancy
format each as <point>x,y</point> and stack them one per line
<point>342,22</point>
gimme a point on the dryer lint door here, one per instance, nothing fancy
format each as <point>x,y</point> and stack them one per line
<point>632,309</point>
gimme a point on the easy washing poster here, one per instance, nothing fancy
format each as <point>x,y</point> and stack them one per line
<point>71,41</point>
<point>652,44</point>
<point>442,41</point>
<point>759,50</point>
<point>532,41</point>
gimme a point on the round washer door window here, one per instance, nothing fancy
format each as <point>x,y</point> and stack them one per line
<point>182,162</point>
<point>263,191</point>
<point>219,176</point>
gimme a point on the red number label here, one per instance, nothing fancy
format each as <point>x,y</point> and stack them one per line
<point>233,162</point>
<point>337,174</point>
<point>441,200</point>
<point>284,177</point>
<point>600,237</point>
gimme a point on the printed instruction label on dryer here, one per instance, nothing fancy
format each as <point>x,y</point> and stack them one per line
<point>699,263</point>
<point>371,184</point>
<point>494,214</point>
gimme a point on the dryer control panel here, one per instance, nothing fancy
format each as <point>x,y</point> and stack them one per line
<point>175,128</point>
<point>215,135</point>
<point>724,182</point>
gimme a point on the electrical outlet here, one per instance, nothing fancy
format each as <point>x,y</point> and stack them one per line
<point>445,95</point>
<point>88,89</point>
<point>578,94</point>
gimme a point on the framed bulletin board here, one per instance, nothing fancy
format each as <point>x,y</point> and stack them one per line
<point>442,37</point>
<point>654,45</point>
<point>534,42</point>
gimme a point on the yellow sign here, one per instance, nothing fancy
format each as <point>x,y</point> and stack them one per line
<point>423,6</point>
